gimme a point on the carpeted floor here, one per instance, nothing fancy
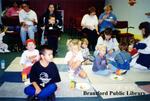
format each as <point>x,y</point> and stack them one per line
<point>106,88</point>
<point>132,87</point>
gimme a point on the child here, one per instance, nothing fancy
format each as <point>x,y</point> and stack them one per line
<point>43,76</point>
<point>122,60</point>
<point>74,59</point>
<point>100,62</point>
<point>52,32</point>
<point>143,47</point>
<point>28,58</point>
<point>3,46</point>
<point>110,43</point>
<point>85,51</point>
<point>131,49</point>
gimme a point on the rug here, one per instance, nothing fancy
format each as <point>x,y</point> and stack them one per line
<point>101,87</point>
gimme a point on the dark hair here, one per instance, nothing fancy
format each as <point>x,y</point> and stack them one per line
<point>43,49</point>
<point>146,26</point>
<point>123,46</point>
<point>108,31</point>
<point>25,2</point>
<point>47,11</point>
<point>52,17</point>
<point>91,9</point>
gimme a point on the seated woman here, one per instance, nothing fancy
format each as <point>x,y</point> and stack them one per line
<point>13,11</point>
<point>89,25</point>
<point>110,42</point>
<point>51,11</point>
<point>28,20</point>
<point>143,47</point>
<point>107,19</point>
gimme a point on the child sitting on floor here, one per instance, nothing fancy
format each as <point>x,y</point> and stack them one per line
<point>28,58</point>
<point>131,49</point>
<point>44,75</point>
<point>85,52</point>
<point>122,60</point>
<point>110,43</point>
<point>74,59</point>
<point>3,46</point>
<point>100,62</point>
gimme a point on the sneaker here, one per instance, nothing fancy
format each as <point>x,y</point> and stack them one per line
<point>6,50</point>
<point>27,82</point>
<point>32,98</point>
<point>1,51</point>
<point>51,98</point>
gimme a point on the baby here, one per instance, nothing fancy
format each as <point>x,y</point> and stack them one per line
<point>3,46</point>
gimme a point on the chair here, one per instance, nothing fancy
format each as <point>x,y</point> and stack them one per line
<point>126,36</point>
<point>75,27</point>
<point>12,37</point>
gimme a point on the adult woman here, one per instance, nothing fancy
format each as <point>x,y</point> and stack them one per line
<point>28,21</point>
<point>51,11</point>
<point>89,25</point>
<point>107,19</point>
<point>143,47</point>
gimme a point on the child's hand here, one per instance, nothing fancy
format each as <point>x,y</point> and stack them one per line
<point>130,47</point>
<point>110,51</point>
<point>45,39</point>
<point>58,89</point>
<point>43,28</point>
<point>37,90</point>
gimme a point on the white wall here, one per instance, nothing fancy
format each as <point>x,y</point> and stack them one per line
<point>133,14</point>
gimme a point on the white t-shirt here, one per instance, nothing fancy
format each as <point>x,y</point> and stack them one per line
<point>147,49</point>
<point>85,52</point>
<point>110,44</point>
<point>90,21</point>
<point>77,57</point>
<point>27,17</point>
<point>29,54</point>
<point>1,37</point>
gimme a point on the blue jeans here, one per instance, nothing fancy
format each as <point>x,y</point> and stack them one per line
<point>45,92</point>
<point>23,33</point>
<point>42,38</point>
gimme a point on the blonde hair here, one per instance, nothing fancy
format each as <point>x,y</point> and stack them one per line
<point>108,7</point>
<point>101,47</point>
<point>84,40</point>
<point>73,42</point>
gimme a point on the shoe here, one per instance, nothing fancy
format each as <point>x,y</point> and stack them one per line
<point>51,98</point>
<point>1,51</point>
<point>6,50</point>
<point>27,82</point>
<point>32,98</point>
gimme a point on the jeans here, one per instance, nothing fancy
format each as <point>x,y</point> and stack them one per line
<point>42,38</point>
<point>23,33</point>
<point>45,92</point>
